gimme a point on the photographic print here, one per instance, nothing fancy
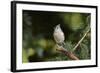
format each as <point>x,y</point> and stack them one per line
<point>53,36</point>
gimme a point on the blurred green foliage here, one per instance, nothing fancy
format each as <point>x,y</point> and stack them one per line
<point>38,42</point>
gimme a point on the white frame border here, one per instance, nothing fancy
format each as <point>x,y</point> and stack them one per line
<point>38,65</point>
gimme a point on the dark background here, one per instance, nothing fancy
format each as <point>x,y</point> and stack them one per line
<point>38,42</point>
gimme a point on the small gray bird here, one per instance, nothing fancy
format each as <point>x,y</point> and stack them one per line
<point>59,35</point>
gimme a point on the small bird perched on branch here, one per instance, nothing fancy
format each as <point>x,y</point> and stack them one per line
<point>59,39</point>
<point>59,35</point>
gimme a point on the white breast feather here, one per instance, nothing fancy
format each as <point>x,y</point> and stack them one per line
<point>59,37</point>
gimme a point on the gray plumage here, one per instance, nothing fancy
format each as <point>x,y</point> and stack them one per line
<point>59,35</point>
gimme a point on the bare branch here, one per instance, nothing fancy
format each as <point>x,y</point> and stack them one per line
<point>69,54</point>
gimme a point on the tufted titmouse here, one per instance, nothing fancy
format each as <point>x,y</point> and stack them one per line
<point>59,35</point>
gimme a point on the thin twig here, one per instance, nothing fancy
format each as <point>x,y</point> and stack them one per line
<point>81,40</point>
